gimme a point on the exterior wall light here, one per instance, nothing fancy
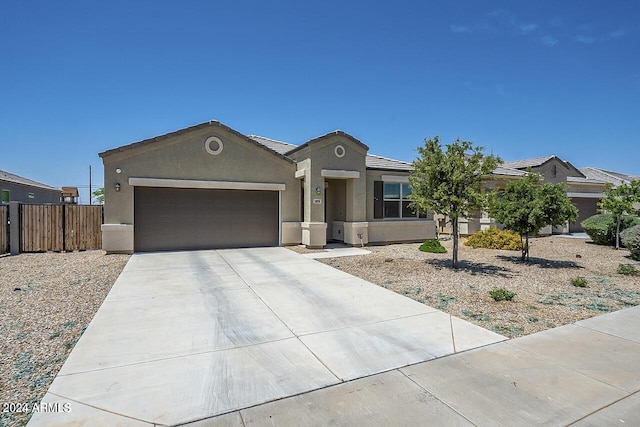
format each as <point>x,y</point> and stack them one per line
<point>318,190</point>
<point>117,186</point>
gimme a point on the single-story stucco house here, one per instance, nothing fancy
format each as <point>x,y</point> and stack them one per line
<point>210,186</point>
<point>14,188</point>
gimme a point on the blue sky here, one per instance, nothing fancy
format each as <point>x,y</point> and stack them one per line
<point>521,78</point>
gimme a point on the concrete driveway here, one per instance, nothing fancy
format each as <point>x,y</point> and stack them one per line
<point>185,336</point>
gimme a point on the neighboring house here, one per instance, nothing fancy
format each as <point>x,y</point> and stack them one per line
<point>585,192</point>
<point>15,188</point>
<point>70,195</point>
<point>613,178</point>
<point>209,186</point>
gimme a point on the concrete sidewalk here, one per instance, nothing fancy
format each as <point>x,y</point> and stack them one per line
<point>586,374</point>
<point>188,336</point>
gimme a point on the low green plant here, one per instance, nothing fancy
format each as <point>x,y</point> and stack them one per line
<point>494,238</point>
<point>502,294</point>
<point>628,270</point>
<point>601,228</point>
<point>579,282</point>
<point>631,239</point>
<point>432,246</point>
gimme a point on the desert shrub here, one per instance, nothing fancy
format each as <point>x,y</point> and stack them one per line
<point>601,228</point>
<point>628,270</point>
<point>502,294</point>
<point>631,239</point>
<point>494,238</point>
<point>579,282</point>
<point>433,246</point>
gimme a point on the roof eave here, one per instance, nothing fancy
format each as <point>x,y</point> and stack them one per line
<point>327,135</point>
<point>147,141</point>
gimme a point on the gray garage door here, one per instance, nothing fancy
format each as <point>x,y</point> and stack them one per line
<point>180,219</point>
<point>586,208</point>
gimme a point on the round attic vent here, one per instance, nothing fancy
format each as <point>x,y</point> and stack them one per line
<point>339,151</point>
<point>213,145</point>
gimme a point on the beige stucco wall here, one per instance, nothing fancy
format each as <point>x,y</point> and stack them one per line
<point>395,230</point>
<point>320,154</point>
<point>401,231</point>
<point>555,171</point>
<point>184,157</point>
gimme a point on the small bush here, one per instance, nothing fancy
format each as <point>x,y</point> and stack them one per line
<point>579,282</point>
<point>628,270</point>
<point>601,228</point>
<point>494,238</point>
<point>502,294</point>
<point>433,246</point>
<point>631,239</point>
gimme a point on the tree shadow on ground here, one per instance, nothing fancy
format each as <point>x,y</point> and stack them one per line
<point>540,262</point>
<point>473,268</point>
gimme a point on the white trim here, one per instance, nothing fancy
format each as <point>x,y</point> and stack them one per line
<point>339,151</point>
<point>334,173</point>
<point>586,195</point>
<point>279,218</point>
<point>396,178</point>
<point>213,185</point>
<point>300,174</point>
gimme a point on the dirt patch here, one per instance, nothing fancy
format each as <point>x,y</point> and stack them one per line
<point>545,297</point>
<point>46,302</point>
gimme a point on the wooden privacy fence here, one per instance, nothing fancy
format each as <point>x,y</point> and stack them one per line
<point>58,228</point>
<point>4,229</point>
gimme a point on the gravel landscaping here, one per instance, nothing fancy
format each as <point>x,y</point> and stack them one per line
<point>46,302</point>
<point>48,299</point>
<point>544,294</point>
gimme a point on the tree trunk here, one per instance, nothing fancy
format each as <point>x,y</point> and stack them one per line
<point>618,233</point>
<point>525,247</point>
<point>454,231</point>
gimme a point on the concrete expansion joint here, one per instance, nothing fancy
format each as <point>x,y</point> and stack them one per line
<point>102,409</point>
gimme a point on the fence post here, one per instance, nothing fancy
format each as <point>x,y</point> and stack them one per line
<point>14,230</point>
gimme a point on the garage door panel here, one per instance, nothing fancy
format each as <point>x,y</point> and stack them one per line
<point>586,208</point>
<point>174,219</point>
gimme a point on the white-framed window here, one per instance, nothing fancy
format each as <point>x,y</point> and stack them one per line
<point>6,196</point>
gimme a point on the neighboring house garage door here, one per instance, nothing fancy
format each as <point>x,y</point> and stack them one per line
<point>180,219</point>
<point>586,208</point>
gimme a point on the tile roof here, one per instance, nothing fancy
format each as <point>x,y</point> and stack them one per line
<point>277,146</point>
<point>372,161</point>
<point>501,170</point>
<point>527,163</point>
<point>6,176</point>
<point>615,178</point>
<point>379,162</point>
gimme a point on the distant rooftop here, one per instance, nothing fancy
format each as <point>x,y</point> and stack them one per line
<point>9,177</point>
<point>614,178</point>
<point>501,170</point>
<point>527,163</point>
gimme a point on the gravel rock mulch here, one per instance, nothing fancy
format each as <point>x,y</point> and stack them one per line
<point>46,302</point>
<point>545,297</point>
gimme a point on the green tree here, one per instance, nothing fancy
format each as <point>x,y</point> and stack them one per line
<point>526,205</point>
<point>449,182</point>
<point>98,195</point>
<point>620,201</point>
